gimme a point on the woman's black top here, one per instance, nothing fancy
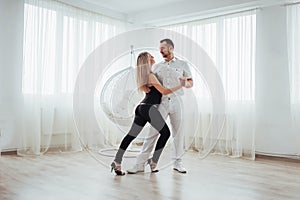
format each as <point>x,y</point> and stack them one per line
<point>152,97</point>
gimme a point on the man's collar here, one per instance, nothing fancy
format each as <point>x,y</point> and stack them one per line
<point>174,58</point>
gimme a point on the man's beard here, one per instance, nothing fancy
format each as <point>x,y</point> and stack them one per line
<point>164,55</point>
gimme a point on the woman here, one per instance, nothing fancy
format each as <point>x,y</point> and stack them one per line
<point>146,111</point>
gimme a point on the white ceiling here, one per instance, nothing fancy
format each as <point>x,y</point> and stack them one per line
<point>131,6</point>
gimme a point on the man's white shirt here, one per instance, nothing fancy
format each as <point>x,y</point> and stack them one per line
<point>168,73</point>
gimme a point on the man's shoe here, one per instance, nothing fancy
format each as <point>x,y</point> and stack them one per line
<point>136,168</point>
<point>178,166</point>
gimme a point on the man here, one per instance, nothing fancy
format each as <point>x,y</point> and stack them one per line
<point>168,73</point>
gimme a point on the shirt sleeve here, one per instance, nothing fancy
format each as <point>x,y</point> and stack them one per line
<point>186,70</point>
<point>155,68</point>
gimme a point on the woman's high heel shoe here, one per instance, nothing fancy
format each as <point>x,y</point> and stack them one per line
<point>117,169</point>
<point>152,165</point>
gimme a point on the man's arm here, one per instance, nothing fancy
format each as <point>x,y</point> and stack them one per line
<point>187,73</point>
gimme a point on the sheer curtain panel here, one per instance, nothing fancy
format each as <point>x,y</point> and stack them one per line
<point>57,40</point>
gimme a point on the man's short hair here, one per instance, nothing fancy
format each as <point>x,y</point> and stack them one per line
<point>168,41</point>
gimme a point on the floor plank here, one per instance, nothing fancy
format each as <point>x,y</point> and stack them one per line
<point>82,176</point>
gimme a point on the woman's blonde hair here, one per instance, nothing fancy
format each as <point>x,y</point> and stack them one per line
<point>143,70</point>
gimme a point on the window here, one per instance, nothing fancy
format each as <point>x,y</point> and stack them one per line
<point>230,43</point>
<point>57,40</point>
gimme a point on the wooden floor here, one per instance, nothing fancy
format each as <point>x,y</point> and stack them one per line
<point>80,176</point>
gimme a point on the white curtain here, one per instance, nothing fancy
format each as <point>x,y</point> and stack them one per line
<point>293,36</point>
<point>57,40</point>
<point>230,43</point>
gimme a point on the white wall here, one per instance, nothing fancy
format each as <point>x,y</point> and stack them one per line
<point>11,48</point>
<point>273,133</point>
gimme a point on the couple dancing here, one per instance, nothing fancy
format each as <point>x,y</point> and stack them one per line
<point>159,103</point>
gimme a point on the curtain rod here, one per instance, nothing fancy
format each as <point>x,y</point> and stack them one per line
<point>214,16</point>
<point>228,14</point>
<point>291,4</point>
<point>231,13</point>
<point>88,10</point>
